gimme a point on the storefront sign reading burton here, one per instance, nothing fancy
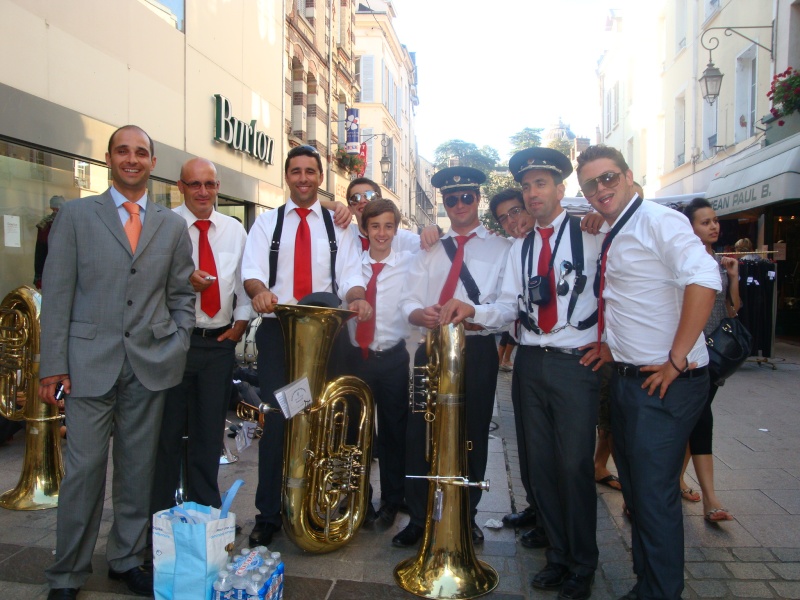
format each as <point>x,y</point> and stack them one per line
<point>239,135</point>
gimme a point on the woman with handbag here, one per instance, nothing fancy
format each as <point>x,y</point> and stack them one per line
<point>704,222</point>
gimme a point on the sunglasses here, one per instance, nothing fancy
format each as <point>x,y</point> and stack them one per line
<point>366,196</point>
<point>609,180</point>
<point>196,185</point>
<point>511,214</point>
<point>466,199</point>
<point>564,269</point>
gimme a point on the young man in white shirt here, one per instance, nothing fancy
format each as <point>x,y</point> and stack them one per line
<point>304,175</point>
<point>378,354</point>
<point>199,403</point>
<point>657,284</point>
<point>431,295</point>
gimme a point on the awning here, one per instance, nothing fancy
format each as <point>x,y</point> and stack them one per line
<point>766,176</point>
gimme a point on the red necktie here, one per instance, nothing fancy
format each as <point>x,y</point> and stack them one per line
<point>302,256</point>
<point>365,331</point>
<point>548,313</point>
<point>601,305</point>
<point>455,269</point>
<point>133,227</point>
<point>209,297</point>
<point>364,243</point>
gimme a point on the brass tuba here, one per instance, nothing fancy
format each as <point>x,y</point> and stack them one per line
<point>446,566</point>
<point>42,468</point>
<point>325,478</point>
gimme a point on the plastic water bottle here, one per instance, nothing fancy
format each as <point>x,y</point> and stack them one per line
<point>253,586</point>
<point>239,587</point>
<point>222,586</point>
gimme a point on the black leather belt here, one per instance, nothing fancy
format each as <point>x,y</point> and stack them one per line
<point>399,346</point>
<point>570,351</point>
<point>215,333</point>
<point>634,372</point>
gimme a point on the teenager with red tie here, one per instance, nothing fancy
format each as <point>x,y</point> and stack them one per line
<point>378,353</point>
<point>303,265</point>
<point>435,284</point>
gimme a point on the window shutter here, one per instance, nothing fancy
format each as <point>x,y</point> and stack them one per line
<point>367,78</point>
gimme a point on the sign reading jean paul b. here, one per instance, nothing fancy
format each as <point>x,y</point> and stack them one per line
<point>778,188</point>
<point>239,135</point>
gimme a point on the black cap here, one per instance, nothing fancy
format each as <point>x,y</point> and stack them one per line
<point>539,158</point>
<point>458,178</point>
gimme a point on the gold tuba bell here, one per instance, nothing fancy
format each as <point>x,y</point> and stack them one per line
<point>446,566</point>
<point>42,468</point>
<point>325,475</point>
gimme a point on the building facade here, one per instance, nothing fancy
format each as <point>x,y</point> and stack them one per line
<point>201,79</point>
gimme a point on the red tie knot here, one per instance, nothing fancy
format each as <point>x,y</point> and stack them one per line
<point>302,212</point>
<point>545,232</point>
<point>202,225</point>
<point>377,268</point>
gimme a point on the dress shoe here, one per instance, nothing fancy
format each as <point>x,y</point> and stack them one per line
<point>262,533</point>
<point>535,538</point>
<point>477,534</point>
<point>62,594</point>
<point>632,595</point>
<point>551,577</point>
<point>526,518</point>
<point>371,515</point>
<point>577,587</point>
<point>387,515</point>
<point>138,579</point>
<point>408,537</point>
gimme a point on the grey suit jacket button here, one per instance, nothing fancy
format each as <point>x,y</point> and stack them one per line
<point>130,302</point>
<point>133,271</point>
<point>127,334</point>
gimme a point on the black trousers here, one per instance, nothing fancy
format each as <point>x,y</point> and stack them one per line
<point>480,373</point>
<point>197,405</point>
<point>650,438</point>
<point>387,377</point>
<point>559,400</point>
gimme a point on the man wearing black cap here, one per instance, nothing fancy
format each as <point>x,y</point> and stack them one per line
<point>545,285</point>
<point>435,289</point>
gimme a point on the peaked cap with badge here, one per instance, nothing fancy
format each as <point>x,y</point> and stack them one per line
<point>540,159</point>
<point>458,178</point>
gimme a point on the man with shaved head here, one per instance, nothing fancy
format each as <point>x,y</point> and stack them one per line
<point>197,405</point>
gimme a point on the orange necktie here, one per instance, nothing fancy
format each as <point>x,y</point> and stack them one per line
<point>133,228</point>
<point>209,297</point>
<point>302,256</point>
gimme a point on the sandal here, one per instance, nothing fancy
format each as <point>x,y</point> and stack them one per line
<point>690,495</point>
<point>715,515</point>
<point>609,481</point>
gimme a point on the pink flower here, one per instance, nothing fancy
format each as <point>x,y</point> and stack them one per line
<point>780,123</point>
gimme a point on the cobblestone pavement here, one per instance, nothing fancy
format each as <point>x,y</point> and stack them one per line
<point>757,469</point>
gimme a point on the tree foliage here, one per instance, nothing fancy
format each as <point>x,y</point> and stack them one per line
<point>562,145</point>
<point>468,154</point>
<point>527,138</point>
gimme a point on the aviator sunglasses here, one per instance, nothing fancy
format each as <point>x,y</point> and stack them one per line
<point>609,180</point>
<point>466,199</point>
<point>366,196</point>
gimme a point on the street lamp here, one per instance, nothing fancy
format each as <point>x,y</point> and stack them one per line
<point>386,162</point>
<point>711,81</point>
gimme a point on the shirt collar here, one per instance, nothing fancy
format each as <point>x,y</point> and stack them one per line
<point>390,260</point>
<point>119,199</point>
<point>628,207</point>
<point>556,222</point>
<point>480,230</point>
<point>191,219</point>
<point>315,208</point>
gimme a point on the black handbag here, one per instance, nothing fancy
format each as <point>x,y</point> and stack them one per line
<point>728,347</point>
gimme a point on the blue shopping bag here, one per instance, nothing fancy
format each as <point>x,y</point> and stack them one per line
<point>190,546</point>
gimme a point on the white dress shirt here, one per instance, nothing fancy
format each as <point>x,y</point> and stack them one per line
<point>507,307</point>
<point>227,238</point>
<point>404,240</point>
<point>119,200</point>
<point>255,263</point>
<point>650,262</point>
<point>390,325</point>
<point>484,255</point>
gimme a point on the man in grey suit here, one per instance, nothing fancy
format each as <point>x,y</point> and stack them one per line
<point>117,313</point>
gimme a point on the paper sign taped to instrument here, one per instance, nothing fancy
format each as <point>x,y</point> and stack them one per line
<point>244,437</point>
<point>11,231</point>
<point>294,397</point>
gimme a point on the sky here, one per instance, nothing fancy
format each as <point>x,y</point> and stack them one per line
<point>487,70</point>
